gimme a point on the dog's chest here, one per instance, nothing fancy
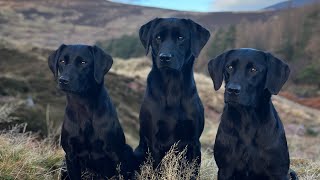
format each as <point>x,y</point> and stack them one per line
<point>246,148</point>
<point>172,126</point>
<point>87,144</point>
<point>85,141</point>
<point>247,134</point>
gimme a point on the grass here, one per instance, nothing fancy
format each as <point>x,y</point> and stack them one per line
<point>174,165</point>
<point>22,156</point>
<point>25,156</point>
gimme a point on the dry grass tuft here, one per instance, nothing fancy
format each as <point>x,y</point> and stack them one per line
<point>6,111</point>
<point>306,169</point>
<point>209,169</point>
<point>22,156</point>
<point>173,166</point>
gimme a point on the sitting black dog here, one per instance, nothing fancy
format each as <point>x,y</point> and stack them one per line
<point>171,110</point>
<point>91,135</point>
<point>250,142</point>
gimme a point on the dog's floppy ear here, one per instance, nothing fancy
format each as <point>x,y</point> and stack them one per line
<point>216,69</point>
<point>102,63</point>
<point>277,74</point>
<point>199,37</point>
<point>145,33</point>
<point>53,60</point>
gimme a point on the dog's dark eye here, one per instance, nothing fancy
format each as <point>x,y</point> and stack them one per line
<point>180,38</point>
<point>83,62</point>
<point>61,61</point>
<point>158,38</point>
<point>253,70</point>
<point>230,67</point>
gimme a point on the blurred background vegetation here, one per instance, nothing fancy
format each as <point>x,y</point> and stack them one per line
<point>125,47</point>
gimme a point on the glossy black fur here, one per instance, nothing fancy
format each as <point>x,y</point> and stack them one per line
<point>91,136</point>
<point>250,142</point>
<point>171,110</point>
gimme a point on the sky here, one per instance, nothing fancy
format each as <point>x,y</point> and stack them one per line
<point>205,5</point>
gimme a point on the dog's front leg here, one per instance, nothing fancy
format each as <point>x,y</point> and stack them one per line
<point>225,174</point>
<point>275,177</point>
<point>196,156</point>
<point>74,168</point>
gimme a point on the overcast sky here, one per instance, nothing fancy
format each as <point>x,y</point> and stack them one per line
<point>205,5</point>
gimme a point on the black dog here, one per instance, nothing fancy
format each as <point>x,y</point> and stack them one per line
<point>171,110</point>
<point>251,142</point>
<point>91,135</point>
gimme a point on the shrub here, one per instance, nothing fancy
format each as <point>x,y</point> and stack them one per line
<point>223,39</point>
<point>309,74</point>
<point>125,47</point>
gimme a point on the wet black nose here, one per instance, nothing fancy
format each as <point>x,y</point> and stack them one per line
<point>165,57</point>
<point>63,80</point>
<point>233,89</point>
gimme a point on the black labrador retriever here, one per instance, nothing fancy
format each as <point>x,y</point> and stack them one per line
<point>91,136</point>
<point>250,142</point>
<point>171,111</point>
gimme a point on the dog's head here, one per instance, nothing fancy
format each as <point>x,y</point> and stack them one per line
<point>173,41</point>
<point>248,75</point>
<point>79,68</point>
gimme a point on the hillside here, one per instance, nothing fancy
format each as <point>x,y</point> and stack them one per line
<point>52,22</point>
<point>291,4</point>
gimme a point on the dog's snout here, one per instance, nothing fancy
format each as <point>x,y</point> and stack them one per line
<point>63,80</point>
<point>234,89</point>
<point>165,56</point>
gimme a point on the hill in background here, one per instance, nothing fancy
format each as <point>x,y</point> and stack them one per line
<point>291,4</point>
<point>50,23</point>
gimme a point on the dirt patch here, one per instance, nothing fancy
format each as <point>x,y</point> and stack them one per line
<point>313,102</point>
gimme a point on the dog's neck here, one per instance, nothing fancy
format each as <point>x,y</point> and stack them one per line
<point>184,75</point>
<point>90,100</point>
<point>261,112</point>
<point>171,85</point>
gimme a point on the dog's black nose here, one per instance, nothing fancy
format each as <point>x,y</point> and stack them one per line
<point>165,57</point>
<point>63,80</point>
<point>233,88</point>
